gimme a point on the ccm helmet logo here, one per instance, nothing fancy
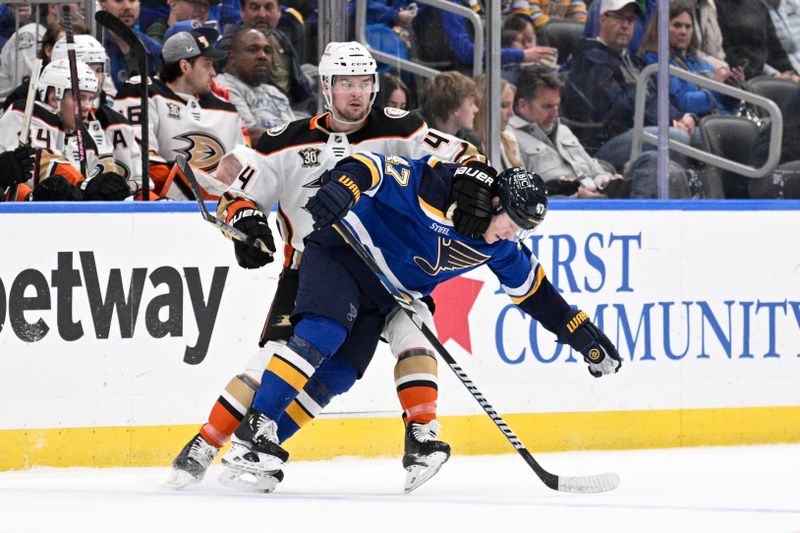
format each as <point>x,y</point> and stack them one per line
<point>475,174</point>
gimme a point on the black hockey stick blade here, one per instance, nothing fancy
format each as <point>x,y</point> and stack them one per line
<point>227,229</point>
<point>578,484</point>
<point>139,53</point>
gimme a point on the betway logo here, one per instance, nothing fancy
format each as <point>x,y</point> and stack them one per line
<point>30,292</point>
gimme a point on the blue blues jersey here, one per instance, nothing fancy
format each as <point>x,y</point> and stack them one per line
<point>403,222</point>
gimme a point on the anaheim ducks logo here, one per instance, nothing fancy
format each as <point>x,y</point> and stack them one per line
<point>203,150</point>
<point>452,255</point>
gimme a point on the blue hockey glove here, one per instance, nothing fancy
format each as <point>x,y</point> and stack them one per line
<point>474,185</point>
<point>334,199</point>
<point>597,350</point>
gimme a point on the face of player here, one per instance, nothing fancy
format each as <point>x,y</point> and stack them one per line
<point>65,108</point>
<point>261,14</point>
<point>351,97</point>
<point>680,32</point>
<point>99,72</point>
<point>125,10</point>
<point>501,228</point>
<point>252,60</point>
<point>199,75</point>
<point>616,27</point>
<point>465,114</point>
<point>189,9</point>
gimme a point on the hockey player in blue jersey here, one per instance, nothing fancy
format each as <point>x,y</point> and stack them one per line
<point>398,209</point>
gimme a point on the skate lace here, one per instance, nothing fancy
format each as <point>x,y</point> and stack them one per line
<point>266,429</point>
<point>426,432</point>
<point>202,452</point>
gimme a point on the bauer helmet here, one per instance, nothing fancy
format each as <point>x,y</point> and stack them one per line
<point>56,75</point>
<point>87,49</point>
<point>523,196</point>
<point>346,59</point>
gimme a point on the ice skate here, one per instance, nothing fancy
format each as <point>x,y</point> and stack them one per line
<point>254,446</point>
<point>244,480</point>
<point>424,455</point>
<point>191,463</point>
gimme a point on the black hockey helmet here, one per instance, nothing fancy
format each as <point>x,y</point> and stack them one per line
<point>523,196</point>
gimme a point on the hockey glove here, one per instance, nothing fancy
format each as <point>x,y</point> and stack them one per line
<point>470,202</point>
<point>334,199</point>
<point>105,187</point>
<point>56,188</point>
<point>583,336</point>
<point>16,166</point>
<point>254,223</point>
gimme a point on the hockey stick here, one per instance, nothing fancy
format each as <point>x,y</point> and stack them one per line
<point>25,132</point>
<point>116,26</point>
<point>582,484</point>
<point>76,94</point>
<point>227,229</point>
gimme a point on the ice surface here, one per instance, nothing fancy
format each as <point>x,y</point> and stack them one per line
<point>730,489</point>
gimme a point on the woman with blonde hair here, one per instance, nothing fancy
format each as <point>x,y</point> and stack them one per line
<point>509,149</point>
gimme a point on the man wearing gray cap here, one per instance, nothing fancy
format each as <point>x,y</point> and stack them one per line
<point>185,116</point>
<point>601,87</point>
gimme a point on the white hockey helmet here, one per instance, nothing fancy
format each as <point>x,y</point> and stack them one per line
<point>56,75</point>
<point>87,49</point>
<point>346,59</point>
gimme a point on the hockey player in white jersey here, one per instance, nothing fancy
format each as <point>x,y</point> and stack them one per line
<point>52,132</point>
<point>185,117</point>
<point>286,167</point>
<point>109,130</point>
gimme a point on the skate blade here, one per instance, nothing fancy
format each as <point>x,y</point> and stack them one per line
<point>249,481</point>
<point>419,474</point>
<point>179,479</point>
<point>241,457</point>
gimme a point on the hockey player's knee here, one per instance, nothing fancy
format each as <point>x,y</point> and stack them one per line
<point>337,376</point>
<point>258,361</point>
<point>324,334</point>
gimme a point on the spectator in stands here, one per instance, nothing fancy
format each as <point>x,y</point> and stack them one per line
<point>119,54</point>
<point>709,35</point>
<point>509,149</point>
<point>685,95</point>
<point>750,41</point>
<point>445,37</point>
<point>261,105</point>
<point>449,104</point>
<point>600,87</point>
<point>541,12</point>
<point>788,184</point>
<point>180,10</point>
<point>185,117</point>
<point>785,16</point>
<point>549,147</point>
<point>54,33</point>
<point>8,19</point>
<point>645,10</point>
<point>266,15</point>
<point>393,92</point>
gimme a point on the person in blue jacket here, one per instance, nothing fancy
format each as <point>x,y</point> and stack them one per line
<point>686,96</point>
